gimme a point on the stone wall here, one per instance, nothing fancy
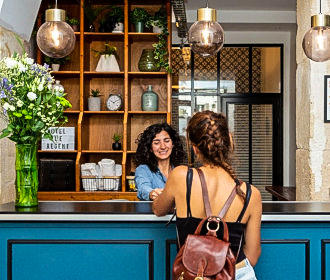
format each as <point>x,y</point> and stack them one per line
<point>8,45</point>
<point>312,134</point>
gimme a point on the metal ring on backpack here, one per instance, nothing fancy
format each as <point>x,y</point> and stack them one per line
<point>208,228</point>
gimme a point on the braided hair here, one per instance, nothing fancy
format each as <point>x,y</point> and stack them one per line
<point>209,132</point>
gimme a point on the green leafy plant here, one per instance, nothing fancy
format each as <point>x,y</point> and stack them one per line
<point>54,60</point>
<point>139,15</point>
<point>160,52</point>
<point>116,137</point>
<point>108,50</point>
<point>91,13</point>
<point>73,21</point>
<point>28,104</point>
<point>95,92</point>
<point>109,21</point>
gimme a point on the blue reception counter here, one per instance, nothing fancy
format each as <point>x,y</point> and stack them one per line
<point>124,240</point>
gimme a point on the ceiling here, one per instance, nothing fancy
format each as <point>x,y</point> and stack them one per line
<point>264,5</point>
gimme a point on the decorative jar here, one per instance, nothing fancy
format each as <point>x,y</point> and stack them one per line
<point>149,100</point>
<point>147,62</point>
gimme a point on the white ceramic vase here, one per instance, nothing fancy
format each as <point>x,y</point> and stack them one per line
<point>55,67</point>
<point>107,63</point>
<point>94,104</point>
<point>119,28</point>
<point>156,29</point>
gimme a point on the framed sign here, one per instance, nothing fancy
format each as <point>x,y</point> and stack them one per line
<point>327,98</point>
<point>63,139</point>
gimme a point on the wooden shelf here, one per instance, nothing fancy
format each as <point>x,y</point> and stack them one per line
<point>104,112</point>
<point>148,112</point>
<point>101,152</point>
<point>65,73</point>
<point>57,151</point>
<point>94,129</point>
<point>147,74</point>
<point>94,73</point>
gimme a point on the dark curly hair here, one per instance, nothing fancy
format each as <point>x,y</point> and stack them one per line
<point>209,132</point>
<point>144,154</point>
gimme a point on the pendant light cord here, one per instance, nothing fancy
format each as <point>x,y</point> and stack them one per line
<point>320,6</point>
<point>55,4</point>
<point>207,3</point>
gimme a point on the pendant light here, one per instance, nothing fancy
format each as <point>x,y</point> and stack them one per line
<point>206,36</point>
<point>316,42</point>
<point>56,38</point>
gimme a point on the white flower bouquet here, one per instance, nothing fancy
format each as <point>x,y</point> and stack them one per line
<point>28,103</point>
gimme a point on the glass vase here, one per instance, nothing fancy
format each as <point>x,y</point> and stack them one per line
<point>147,62</point>
<point>26,175</point>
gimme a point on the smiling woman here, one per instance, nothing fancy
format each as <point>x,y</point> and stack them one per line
<point>159,150</point>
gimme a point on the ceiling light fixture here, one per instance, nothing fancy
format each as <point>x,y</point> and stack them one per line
<point>316,42</point>
<point>206,36</point>
<point>56,38</point>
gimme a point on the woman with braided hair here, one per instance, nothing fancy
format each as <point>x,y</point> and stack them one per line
<point>211,141</point>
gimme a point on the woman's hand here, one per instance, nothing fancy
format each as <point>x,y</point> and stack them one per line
<point>155,193</point>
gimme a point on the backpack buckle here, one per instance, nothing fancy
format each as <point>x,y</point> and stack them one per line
<point>211,220</point>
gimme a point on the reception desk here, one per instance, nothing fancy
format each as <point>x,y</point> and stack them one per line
<point>124,240</point>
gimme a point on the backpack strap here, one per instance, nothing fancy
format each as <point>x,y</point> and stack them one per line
<point>206,200</point>
<point>246,203</point>
<point>189,179</point>
<point>228,202</point>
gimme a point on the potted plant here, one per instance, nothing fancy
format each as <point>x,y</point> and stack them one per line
<point>55,63</point>
<point>94,101</point>
<point>113,21</point>
<point>158,21</point>
<point>74,23</point>
<point>116,146</point>
<point>139,17</point>
<point>91,15</point>
<point>107,61</point>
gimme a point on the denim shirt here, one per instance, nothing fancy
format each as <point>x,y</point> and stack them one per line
<point>146,181</point>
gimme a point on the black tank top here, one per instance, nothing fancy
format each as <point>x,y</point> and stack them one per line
<point>236,229</point>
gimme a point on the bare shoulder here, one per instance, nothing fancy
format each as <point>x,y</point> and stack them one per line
<point>255,201</point>
<point>179,171</point>
<point>255,194</point>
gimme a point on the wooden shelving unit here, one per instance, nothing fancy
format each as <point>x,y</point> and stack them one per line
<point>94,129</point>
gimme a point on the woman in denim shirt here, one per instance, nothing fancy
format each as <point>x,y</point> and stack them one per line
<point>159,150</point>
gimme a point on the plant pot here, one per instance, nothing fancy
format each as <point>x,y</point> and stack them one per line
<point>156,29</point>
<point>107,63</point>
<point>55,67</point>
<point>75,28</point>
<point>139,27</point>
<point>26,183</point>
<point>94,104</point>
<point>147,62</point>
<point>119,28</point>
<point>116,146</point>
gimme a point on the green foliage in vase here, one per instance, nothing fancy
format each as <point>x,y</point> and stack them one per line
<point>139,15</point>
<point>91,12</point>
<point>116,137</point>
<point>54,60</point>
<point>108,50</point>
<point>110,19</point>
<point>95,93</point>
<point>28,104</point>
<point>160,52</point>
<point>72,21</point>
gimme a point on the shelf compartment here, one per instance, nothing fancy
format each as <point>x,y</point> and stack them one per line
<point>99,130</point>
<point>137,86</point>
<point>65,73</point>
<point>113,85</point>
<point>91,58</point>
<point>138,73</point>
<point>103,74</point>
<point>71,88</point>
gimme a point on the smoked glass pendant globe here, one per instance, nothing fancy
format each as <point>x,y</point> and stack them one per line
<point>56,38</point>
<point>206,36</point>
<point>316,42</point>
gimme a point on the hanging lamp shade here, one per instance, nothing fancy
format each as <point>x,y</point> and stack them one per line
<point>206,36</point>
<point>56,38</point>
<point>316,42</point>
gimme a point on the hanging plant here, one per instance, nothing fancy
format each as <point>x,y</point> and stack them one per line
<point>160,52</point>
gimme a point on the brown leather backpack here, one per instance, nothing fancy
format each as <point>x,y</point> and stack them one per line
<point>206,257</point>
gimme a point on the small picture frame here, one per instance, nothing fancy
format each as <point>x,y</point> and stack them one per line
<point>327,98</point>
